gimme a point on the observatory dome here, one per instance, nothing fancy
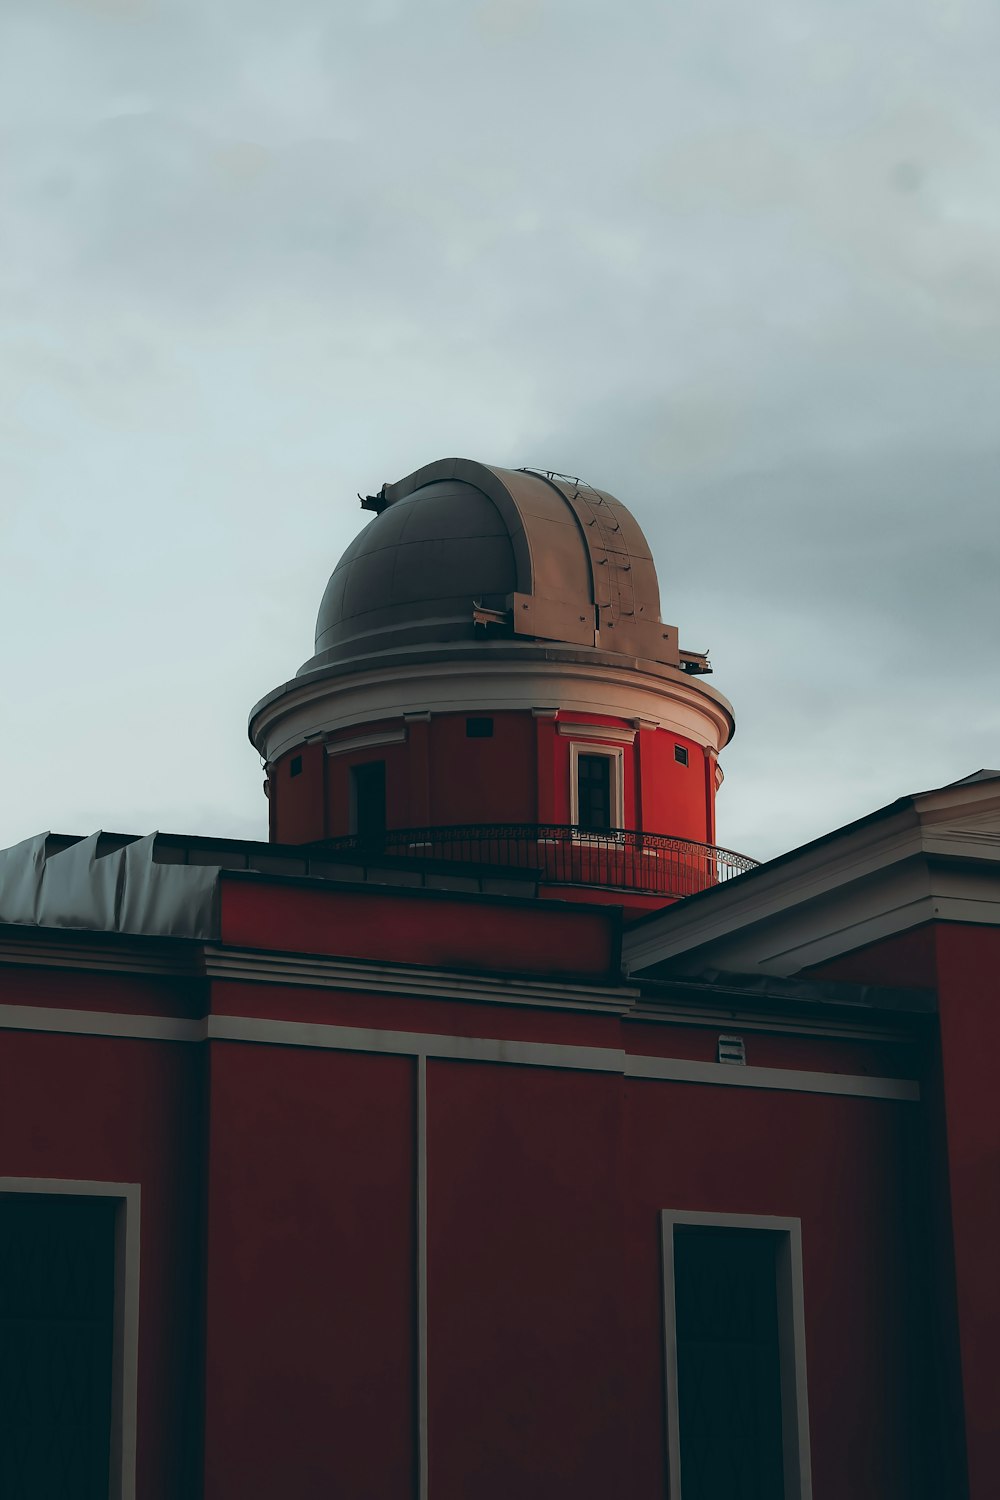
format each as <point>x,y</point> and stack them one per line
<point>462,551</point>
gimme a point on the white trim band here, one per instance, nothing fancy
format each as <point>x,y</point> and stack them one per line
<point>366,741</point>
<point>457,1048</point>
<point>609,732</point>
<point>476,684</point>
<point>685,1070</point>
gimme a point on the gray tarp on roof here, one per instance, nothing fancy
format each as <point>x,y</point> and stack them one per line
<point>105,883</point>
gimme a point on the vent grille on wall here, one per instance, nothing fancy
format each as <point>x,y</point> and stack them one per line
<point>732,1050</point>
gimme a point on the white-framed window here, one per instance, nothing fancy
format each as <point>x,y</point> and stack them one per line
<point>69,1323</point>
<point>737,1410</point>
<point>596,789</point>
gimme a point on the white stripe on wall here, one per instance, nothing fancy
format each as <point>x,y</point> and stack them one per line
<point>314,1034</point>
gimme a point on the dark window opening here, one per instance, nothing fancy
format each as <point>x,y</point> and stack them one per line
<point>681,755</point>
<point>368,801</point>
<point>728,1364</point>
<point>479,729</point>
<point>57,1275</point>
<point>295,766</point>
<point>593,784</point>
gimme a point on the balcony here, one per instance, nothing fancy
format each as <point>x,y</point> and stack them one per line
<point>653,864</point>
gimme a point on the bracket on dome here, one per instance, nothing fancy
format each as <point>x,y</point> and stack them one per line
<point>377,503</point>
<point>695,663</point>
<point>484,617</point>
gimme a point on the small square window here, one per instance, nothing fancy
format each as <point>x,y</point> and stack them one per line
<point>681,755</point>
<point>295,766</point>
<point>479,729</point>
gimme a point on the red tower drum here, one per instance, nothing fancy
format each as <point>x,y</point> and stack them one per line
<point>492,682</point>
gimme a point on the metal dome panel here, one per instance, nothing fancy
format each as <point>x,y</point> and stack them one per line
<point>459,547</point>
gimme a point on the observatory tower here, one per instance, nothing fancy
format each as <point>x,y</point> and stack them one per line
<point>492,682</point>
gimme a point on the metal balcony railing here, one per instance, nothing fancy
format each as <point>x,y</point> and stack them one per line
<point>560,854</point>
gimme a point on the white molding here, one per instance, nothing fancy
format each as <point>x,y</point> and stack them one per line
<point>125,1355</point>
<point>100,1023</point>
<point>111,952</point>
<point>319,972</point>
<point>686,1070</point>
<point>712,1019</point>
<point>771,889</point>
<point>367,741</point>
<point>859,885</point>
<point>414,1043</point>
<point>607,732</point>
<point>670,699</point>
<point>265,1030</point>
<point>791,1339</point>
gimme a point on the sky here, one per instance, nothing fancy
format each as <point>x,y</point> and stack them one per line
<point>739,265</point>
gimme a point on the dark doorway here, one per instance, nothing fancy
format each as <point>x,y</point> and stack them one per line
<point>57,1285</point>
<point>728,1364</point>
<point>368,802</point>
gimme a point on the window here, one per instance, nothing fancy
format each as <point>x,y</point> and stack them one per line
<point>681,755</point>
<point>479,729</point>
<point>596,789</point>
<point>68,1325</point>
<point>593,773</point>
<point>737,1420</point>
<point>295,766</point>
<point>368,801</point>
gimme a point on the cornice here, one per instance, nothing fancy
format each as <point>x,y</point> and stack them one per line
<point>206,962</point>
<point>460,682</point>
<point>320,972</point>
<point>872,880</point>
<point>317,971</point>
<point>52,948</point>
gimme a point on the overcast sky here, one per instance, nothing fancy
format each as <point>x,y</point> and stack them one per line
<point>739,264</point>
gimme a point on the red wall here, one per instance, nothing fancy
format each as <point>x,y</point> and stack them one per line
<point>309,1346</point>
<point>674,797</point>
<point>521,774</point>
<point>545,1306</point>
<point>297,802</point>
<point>483,780</point>
<point>908,959</point>
<point>524,1287</point>
<point>842,1166</point>
<point>397,787</point>
<point>431,928</point>
<point>544,1192</point>
<point>108,1109</point>
<point>968,965</point>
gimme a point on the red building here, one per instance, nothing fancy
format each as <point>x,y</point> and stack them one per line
<point>490,1131</point>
